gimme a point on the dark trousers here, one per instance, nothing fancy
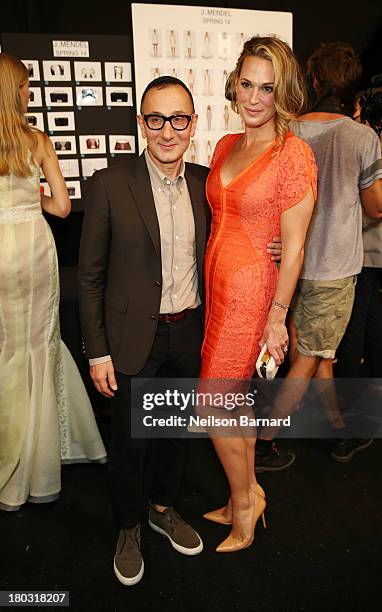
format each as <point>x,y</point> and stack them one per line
<point>363,336</point>
<point>140,469</point>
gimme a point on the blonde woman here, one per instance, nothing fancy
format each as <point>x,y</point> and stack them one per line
<point>262,184</point>
<point>45,414</point>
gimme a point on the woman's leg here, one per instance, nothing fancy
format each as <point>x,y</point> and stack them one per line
<point>253,484</point>
<point>246,504</point>
<point>224,515</point>
<point>232,453</point>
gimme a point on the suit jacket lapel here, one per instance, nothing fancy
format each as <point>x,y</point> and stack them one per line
<point>141,189</point>
<point>198,201</point>
<point>140,186</point>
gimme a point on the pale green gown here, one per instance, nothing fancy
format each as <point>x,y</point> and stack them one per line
<point>45,414</point>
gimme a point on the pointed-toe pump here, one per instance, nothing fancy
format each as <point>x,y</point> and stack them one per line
<point>234,544</point>
<point>223,515</point>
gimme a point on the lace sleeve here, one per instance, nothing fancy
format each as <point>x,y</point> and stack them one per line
<point>297,173</point>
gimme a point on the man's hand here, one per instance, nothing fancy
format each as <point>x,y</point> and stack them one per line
<point>274,248</point>
<point>103,378</point>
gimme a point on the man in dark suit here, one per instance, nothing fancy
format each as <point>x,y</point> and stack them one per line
<point>141,288</point>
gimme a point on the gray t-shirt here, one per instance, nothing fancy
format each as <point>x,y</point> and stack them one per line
<point>348,157</point>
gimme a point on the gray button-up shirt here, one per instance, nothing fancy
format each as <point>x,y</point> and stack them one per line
<point>177,240</point>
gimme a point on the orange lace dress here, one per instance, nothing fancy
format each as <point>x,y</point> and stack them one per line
<point>240,276</point>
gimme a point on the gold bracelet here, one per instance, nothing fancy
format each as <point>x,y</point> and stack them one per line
<point>279,305</point>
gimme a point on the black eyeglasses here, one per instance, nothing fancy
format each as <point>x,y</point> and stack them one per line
<point>177,122</point>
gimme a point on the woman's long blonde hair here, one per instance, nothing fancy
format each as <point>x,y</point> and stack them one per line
<point>14,130</point>
<point>289,88</point>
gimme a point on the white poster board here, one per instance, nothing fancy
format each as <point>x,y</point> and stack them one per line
<point>200,46</point>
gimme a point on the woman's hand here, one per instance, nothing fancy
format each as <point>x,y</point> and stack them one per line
<point>275,336</point>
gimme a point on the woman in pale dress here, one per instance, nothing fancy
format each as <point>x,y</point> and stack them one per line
<point>191,80</point>
<point>172,43</point>
<point>155,42</point>
<point>206,47</point>
<point>207,89</point>
<point>45,414</point>
<point>189,43</point>
<point>209,117</point>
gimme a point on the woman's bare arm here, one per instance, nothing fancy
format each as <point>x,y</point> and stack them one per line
<point>294,225</point>
<point>59,202</point>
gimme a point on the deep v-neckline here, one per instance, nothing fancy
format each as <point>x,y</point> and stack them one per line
<point>254,161</point>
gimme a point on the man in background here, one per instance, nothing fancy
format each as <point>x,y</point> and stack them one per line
<point>349,163</point>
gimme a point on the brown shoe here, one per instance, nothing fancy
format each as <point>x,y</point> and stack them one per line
<point>128,562</point>
<point>181,535</point>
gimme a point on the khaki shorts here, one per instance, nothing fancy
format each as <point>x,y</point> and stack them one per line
<point>321,311</point>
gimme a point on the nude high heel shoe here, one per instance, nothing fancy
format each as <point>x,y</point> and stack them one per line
<point>234,543</point>
<point>223,515</point>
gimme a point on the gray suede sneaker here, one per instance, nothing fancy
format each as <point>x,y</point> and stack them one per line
<point>181,535</point>
<point>128,562</point>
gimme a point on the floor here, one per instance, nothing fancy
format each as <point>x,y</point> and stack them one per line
<point>321,550</point>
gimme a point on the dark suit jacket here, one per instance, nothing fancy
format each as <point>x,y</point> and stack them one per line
<point>120,270</point>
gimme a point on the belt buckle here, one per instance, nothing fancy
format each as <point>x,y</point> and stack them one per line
<point>167,318</point>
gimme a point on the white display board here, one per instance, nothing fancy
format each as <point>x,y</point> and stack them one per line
<point>200,46</point>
